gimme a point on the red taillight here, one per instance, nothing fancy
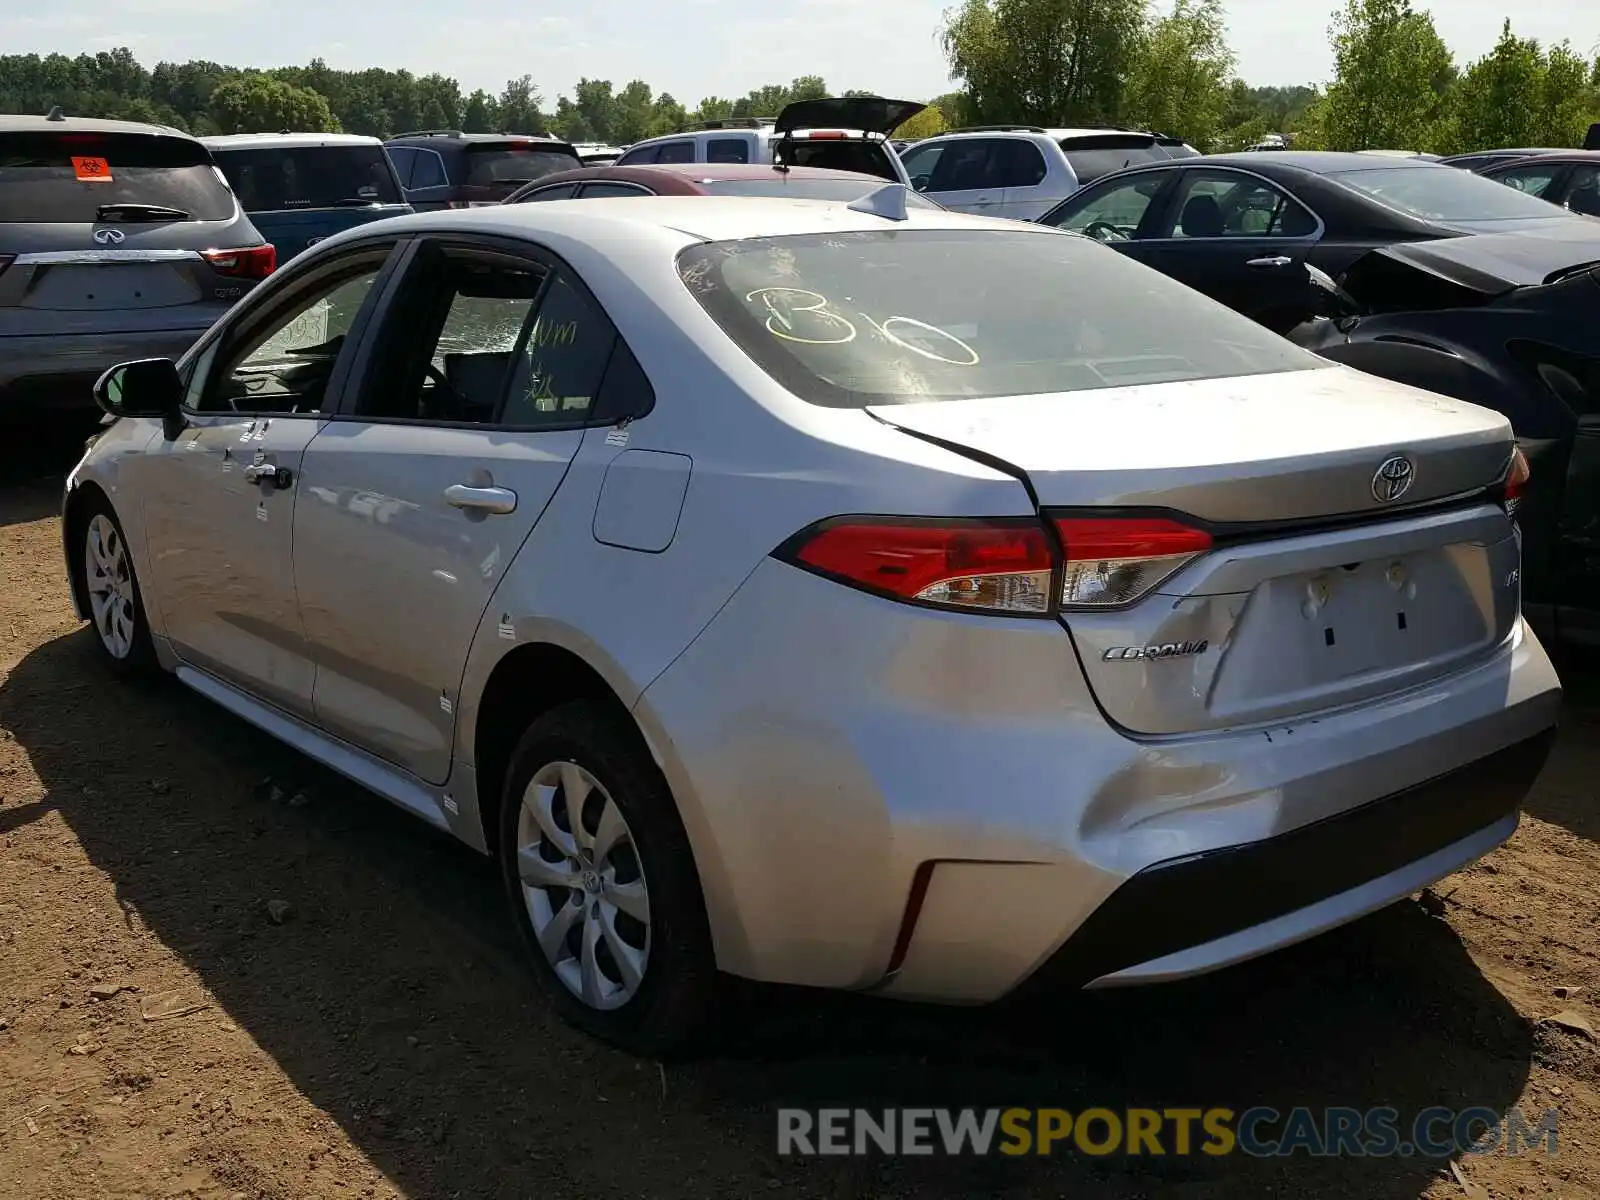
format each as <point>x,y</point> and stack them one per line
<point>1002,566</point>
<point>1516,481</point>
<point>1111,561</point>
<point>255,262</point>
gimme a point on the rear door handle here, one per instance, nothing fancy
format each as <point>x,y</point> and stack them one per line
<point>497,500</point>
<point>278,477</point>
<point>1276,260</point>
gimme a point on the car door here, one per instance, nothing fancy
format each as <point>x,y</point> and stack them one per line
<point>1121,212</point>
<point>219,499</point>
<point>966,174</point>
<point>473,395</point>
<point>1240,239</point>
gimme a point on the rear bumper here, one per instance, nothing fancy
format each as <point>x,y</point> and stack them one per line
<point>931,805</point>
<point>56,372</point>
<point>1199,913</point>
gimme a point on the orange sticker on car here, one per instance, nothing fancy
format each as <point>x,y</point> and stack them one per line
<point>92,170</point>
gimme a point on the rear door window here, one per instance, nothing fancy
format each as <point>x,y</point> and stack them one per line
<point>490,165</point>
<point>970,164</point>
<point>1092,156</point>
<point>1534,179</point>
<point>309,177</point>
<point>675,152</point>
<point>428,171</point>
<point>728,150</point>
<point>81,177</point>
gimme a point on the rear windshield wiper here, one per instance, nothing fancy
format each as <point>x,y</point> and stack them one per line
<point>140,212</point>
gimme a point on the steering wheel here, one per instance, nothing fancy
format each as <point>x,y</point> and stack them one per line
<point>450,401</point>
<point>1104,231</point>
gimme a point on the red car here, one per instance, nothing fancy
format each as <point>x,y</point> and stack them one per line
<point>706,179</point>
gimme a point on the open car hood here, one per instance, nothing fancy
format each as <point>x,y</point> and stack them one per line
<point>1486,264</point>
<point>870,114</point>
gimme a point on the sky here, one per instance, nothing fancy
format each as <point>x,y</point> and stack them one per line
<point>692,49</point>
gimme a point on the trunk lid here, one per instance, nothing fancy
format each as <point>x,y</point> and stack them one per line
<point>1318,591</point>
<point>870,114</point>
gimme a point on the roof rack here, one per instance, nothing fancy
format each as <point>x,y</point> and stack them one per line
<point>998,129</point>
<point>731,123</point>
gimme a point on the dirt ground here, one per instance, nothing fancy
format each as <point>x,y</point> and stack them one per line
<point>383,1040</point>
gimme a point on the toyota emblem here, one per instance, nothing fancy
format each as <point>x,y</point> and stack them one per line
<point>108,237</point>
<point>1393,479</point>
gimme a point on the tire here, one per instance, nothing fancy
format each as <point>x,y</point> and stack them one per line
<point>116,605</point>
<point>650,986</point>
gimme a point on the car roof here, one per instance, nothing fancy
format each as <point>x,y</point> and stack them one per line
<point>456,137</point>
<point>1562,156</point>
<point>1314,162</point>
<point>682,178</point>
<point>284,141</point>
<point>1497,262</point>
<point>675,218</point>
<point>14,123</point>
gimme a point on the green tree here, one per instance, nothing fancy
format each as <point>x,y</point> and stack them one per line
<point>635,110</point>
<point>1179,83</point>
<point>260,104</point>
<point>1519,95</point>
<point>926,124</point>
<point>1053,62</point>
<point>1392,77</point>
<point>519,107</point>
<point>479,114</point>
<point>712,108</point>
<point>595,103</point>
<point>667,115</point>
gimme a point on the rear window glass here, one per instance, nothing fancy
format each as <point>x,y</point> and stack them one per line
<point>851,319</point>
<point>1092,157</point>
<point>73,177</point>
<point>308,177</point>
<point>490,165</point>
<point>1439,194</point>
<point>869,158</point>
<point>807,189</point>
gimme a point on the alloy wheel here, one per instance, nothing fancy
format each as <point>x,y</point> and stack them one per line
<point>110,582</point>
<point>583,885</point>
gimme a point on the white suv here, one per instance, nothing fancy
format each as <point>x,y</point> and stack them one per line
<point>843,133</point>
<point>1021,171</point>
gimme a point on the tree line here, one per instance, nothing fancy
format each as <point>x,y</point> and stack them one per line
<point>209,98</point>
<point>1396,85</point>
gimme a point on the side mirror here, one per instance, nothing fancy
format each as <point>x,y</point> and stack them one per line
<point>146,387</point>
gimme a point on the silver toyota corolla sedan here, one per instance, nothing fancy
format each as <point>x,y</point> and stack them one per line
<point>861,596</point>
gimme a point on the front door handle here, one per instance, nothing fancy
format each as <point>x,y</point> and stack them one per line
<point>278,477</point>
<point>497,500</point>
<point>1264,264</point>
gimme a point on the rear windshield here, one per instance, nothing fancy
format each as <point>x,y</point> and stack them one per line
<point>1437,193</point>
<point>807,189</point>
<point>868,158</point>
<point>491,165</point>
<point>309,177</point>
<point>904,316</point>
<point>1092,157</point>
<point>72,177</point>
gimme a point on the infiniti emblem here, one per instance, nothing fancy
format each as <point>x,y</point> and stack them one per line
<point>109,237</point>
<point>1393,479</point>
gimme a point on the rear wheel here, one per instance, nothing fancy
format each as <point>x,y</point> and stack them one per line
<point>602,883</point>
<point>116,606</point>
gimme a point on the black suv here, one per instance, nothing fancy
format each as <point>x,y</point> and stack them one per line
<point>446,168</point>
<point>117,241</point>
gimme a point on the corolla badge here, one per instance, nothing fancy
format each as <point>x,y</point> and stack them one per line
<point>1393,479</point>
<point>108,237</point>
<point>1150,653</point>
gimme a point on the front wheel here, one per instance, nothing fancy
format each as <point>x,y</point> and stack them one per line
<point>602,883</point>
<point>116,606</point>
